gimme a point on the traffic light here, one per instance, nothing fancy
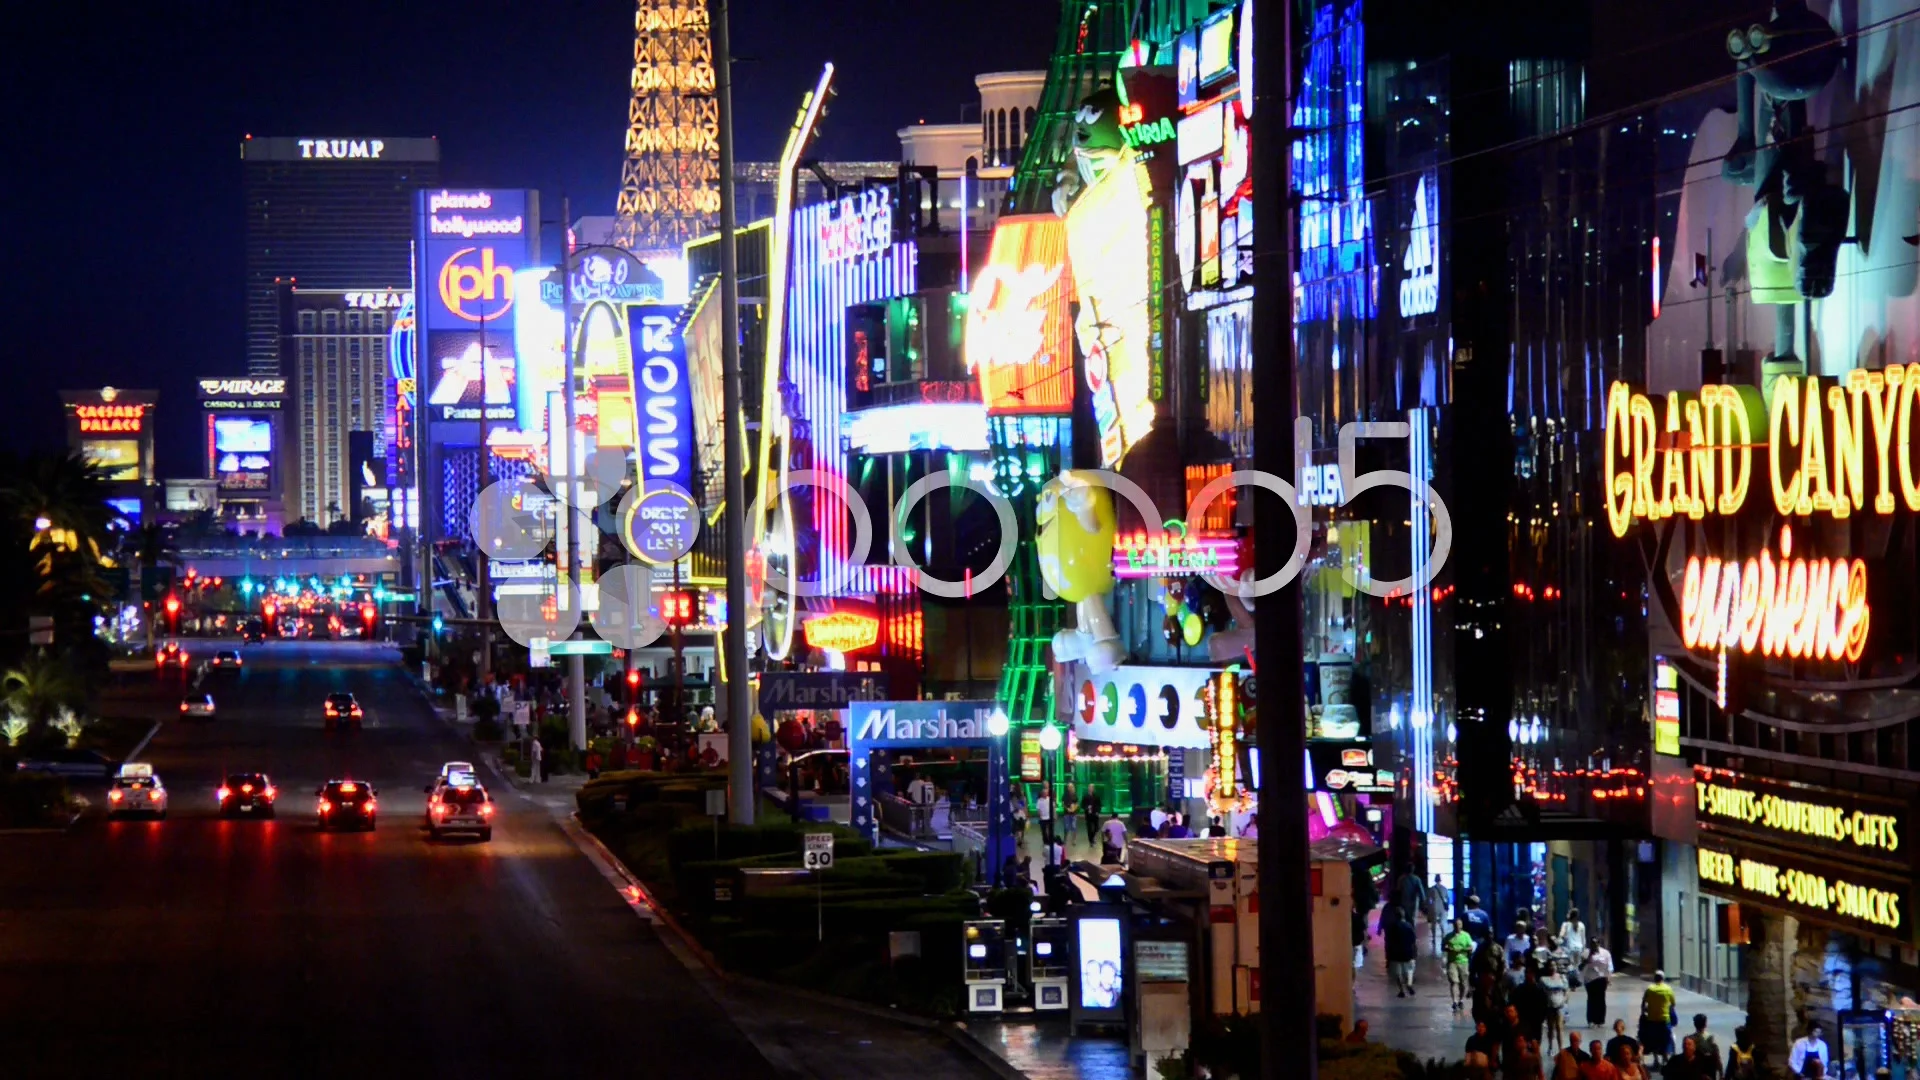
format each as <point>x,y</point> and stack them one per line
<point>680,608</point>
<point>633,719</point>
<point>172,607</point>
<point>439,623</point>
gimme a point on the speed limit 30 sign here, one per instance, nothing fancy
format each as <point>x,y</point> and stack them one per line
<point>819,851</point>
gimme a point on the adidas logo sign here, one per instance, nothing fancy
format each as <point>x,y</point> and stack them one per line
<point>1420,288</point>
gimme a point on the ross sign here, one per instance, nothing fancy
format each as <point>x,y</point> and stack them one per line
<point>860,224</point>
<point>583,647</point>
<point>1420,284</point>
<point>661,525</point>
<point>1840,823</point>
<point>1016,340</point>
<point>1879,905</point>
<point>790,690</point>
<point>663,396</point>
<point>1143,706</point>
<point>818,854</point>
<point>341,149</point>
<point>841,631</point>
<point>1172,555</point>
<point>919,723</point>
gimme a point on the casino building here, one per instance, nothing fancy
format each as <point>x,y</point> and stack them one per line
<point>325,213</point>
<point>335,343</point>
<point>114,429</point>
<point>243,440</point>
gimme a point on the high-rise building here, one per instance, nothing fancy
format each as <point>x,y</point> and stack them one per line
<point>335,342</point>
<point>327,214</point>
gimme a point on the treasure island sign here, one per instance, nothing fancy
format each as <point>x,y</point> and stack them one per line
<point>1835,447</point>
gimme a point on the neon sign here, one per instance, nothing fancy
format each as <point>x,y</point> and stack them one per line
<point>1139,131</point>
<point>1225,794</point>
<point>101,419</point>
<point>665,399</point>
<point>842,631</point>
<point>341,149</point>
<point>1811,609</point>
<point>1142,555</point>
<point>243,387</point>
<point>862,225</point>
<point>1796,813</point>
<point>1855,898</point>
<point>1420,288</point>
<point>1107,237</point>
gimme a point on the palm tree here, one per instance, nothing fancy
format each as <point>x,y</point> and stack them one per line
<point>62,498</point>
<point>39,686</point>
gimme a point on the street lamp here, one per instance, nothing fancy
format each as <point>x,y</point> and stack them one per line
<point>997,724</point>
<point>1049,743</point>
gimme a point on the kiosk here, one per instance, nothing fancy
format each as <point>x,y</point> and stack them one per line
<point>1050,963</point>
<point>986,965</point>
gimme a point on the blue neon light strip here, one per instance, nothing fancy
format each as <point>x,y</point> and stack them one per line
<point>816,367</point>
<point>1329,165</point>
<point>1421,718</point>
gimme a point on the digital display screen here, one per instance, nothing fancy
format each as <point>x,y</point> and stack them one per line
<point>128,508</point>
<point>119,459</point>
<point>1216,48</point>
<point>1102,975</point>
<point>243,437</point>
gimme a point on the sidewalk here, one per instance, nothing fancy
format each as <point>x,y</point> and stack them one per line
<point>1426,1027</point>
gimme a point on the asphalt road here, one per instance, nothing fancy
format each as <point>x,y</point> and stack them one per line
<point>214,947</point>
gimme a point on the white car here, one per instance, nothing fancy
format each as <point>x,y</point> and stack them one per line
<point>197,705</point>
<point>460,807</point>
<point>453,768</point>
<point>137,790</point>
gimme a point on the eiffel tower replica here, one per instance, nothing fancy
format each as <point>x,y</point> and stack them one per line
<point>669,186</point>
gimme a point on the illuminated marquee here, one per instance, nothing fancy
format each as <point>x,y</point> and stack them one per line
<point>111,419</point>
<point>1804,814</point>
<point>1811,609</point>
<point>842,631</point>
<point>1832,447</point>
<point>665,400</point>
<point>1168,555</point>
<point>474,286</point>
<point>243,387</point>
<point>1856,899</point>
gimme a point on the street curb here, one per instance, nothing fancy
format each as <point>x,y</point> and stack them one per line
<point>958,1033</point>
<point>68,827</point>
<point>142,744</point>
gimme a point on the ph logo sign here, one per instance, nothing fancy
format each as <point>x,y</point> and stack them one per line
<point>474,286</point>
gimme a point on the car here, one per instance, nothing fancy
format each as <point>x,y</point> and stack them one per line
<point>347,804</point>
<point>247,794</point>
<point>342,709</point>
<point>170,655</point>
<point>226,660</point>
<point>73,762</point>
<point>460,808</point>
<point>137,790</point>
<point>254,632</point>
<point>451,769</point>
<point>196,705</point>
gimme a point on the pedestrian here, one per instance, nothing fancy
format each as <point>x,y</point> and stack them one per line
<point>1688,1064</point>
<point>1156,819</point>
<point>1621,1044</point>
<point>1573,934</point>
<point>1566,1063</point>
<point>1070,810</point>
<point>1597,1067</point>
<point>1479,923</point>
<point>1594,974</point>
<point>1057,851</point>
<point>1402,948</point>
<point>1019,820</point>
<point>1177,827</point>
<point>1090,806</point>
<point>1481,1047</point>
<point>1810,1045</point>
<point>1525,1063</point>
<point>1656,1019</point>
<point>1742,1060</point>
<point>1554,982</point>
<point>1709,1047</point>
<point>593,764</point>
<point>1358,1036</point>
<point>1634,1068</point>
<point>1043,811</point>
<point>1113,839</point>
<point>1519,943</point>
<point>539,761</point>
<point>1438,909</point>
<point>1456,952</point>
<point>1531,1005</point>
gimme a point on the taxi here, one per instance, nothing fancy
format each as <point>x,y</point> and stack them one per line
<point>460,806</point>
<point>137,790</point>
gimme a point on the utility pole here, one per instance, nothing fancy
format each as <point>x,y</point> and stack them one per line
<point>570,472</point>
<point>734,646</point>
<point>1288,1042</point>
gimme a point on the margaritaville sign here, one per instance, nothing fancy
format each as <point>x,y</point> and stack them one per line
<point>1832,447</point>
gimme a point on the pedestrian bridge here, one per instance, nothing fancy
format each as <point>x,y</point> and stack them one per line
<point>325,557</point>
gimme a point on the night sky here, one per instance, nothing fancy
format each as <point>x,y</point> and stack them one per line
<point>123,184</point>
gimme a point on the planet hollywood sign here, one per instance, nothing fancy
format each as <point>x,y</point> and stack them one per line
<point>1832,447</point>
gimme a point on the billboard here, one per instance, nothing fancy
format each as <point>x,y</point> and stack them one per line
<point>118,459</point>
<point>1017,337</point>
<point>466,370</point>
<point>472,247</point>
<point>663,396</point>
<point>243,448</point>
<point>1108,249</point>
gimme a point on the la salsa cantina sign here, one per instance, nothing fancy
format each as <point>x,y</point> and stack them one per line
<point>1833,447</point>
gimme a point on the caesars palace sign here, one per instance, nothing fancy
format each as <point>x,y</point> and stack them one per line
<point>1828,446</point>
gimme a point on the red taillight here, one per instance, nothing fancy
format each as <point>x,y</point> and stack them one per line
<point>440,808</point>
<point>115,795</point>
<point>331,710</point>
<point>183,706</point>
<point>248,788</point>
<point>348,788</point>
<point>154,795</point>
<point>367,807</point>
<point>486,809</point>
<point>325,806</point>
<point>271,793</point>
<point>222,794</point>
<point>356,710</point>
